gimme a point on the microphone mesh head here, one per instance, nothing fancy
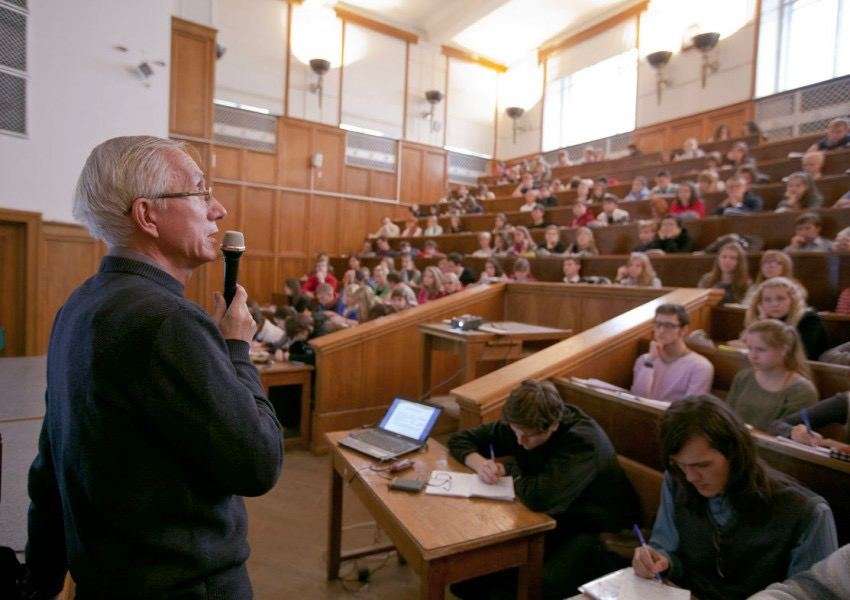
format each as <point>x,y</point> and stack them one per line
<point>233,240</point>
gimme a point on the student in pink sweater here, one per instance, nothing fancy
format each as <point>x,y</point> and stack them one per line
<point>670,370</point>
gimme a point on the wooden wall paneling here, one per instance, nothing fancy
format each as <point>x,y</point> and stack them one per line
<point>258,221</point>
<point>356,181</point>
<point>228,162</point>
<point>288,267</point>
<point>323,225</point>
<point>352,221</point>
<point>382,184</point>
<point>411,174</point>
<point>200,153</point>
<point>259,276</point>
<point>331,143</point>
<point>433,176</point>
<point>735,116</point>
<point>228,196</point>
<point>259,167</point>
<point>202,283</point>
<point>295,145</point>
<point>292,223</point>
<point>192,79</point>
<point>688,129</point>
<point>13,300</point>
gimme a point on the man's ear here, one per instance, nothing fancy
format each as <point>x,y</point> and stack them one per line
<point>145,215</point>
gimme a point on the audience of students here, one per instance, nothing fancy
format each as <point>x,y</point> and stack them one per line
<point>552,243</point>
<point>433,227</point>
<point>529,201</point>
<point>736,202</point>
<point>320,275</point>
<point>690,149</point>
<point>581,215</point>
<point>774,263</point>
<point>687,203</point>
<point>455,224</point>
<point>638,191</point>
<point>801,193</point>
<point>646,235</point>
<point>611,215</point>
<point>522,271</point>
<point>663,183</point>
<point>807,238</point>
<point>493,272</point>
<point>728,526</point>
<point>522,244</point>
<point>572,272</point>
<point>730,273</point>
<point>670,370</point>
<point>837,136</point>
<point>432,285</point>
<point>584,244</point>
<point>388,229</point>
<point>484,248</point>
<point>812,163</point>
<point>832,411</point>
<point>638,271</point>
<point>672,238</point>
<point>538,217</point>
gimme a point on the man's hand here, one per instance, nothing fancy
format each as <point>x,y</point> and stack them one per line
<point>488,471</point>
<point>800,433</point>
<point>797,241</point>
<point>648,562</point>
<point>235,321</point>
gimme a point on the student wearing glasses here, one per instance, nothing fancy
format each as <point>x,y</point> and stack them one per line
<point>728,525</point>
<point>670,370</point>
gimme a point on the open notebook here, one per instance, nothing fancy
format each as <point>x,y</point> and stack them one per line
<point>625,585</point>
<point>468,485</point>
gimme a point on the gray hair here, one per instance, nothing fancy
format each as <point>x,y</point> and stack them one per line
<point>117,172</point>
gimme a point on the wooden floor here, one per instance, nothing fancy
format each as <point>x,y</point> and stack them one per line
<point>288,537</point>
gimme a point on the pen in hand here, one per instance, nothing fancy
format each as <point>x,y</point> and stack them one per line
<point>642,542</point>
<point>804,416</point>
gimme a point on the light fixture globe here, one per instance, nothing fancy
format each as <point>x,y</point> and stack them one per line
<point>433,96</point>
<point>659,59</point>
<point>514,112</point>
<point>320,66</point>
<point>706,41</point>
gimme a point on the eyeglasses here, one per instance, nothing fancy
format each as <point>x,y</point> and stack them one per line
<point>665,325</point>
<point>206,193</point>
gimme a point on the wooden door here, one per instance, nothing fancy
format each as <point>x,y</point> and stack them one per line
<point>12,287</point>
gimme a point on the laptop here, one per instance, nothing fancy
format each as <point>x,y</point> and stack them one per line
<point>404,428</point>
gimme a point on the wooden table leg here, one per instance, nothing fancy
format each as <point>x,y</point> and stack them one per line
<point>530,581</point>
<point>432,585</point>
<point>472,352</point>
<point>335,524</point>
<point>306,412</point>
<point>427,348</point>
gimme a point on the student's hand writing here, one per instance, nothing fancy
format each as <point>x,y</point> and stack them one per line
<point>648,562</point>
<point>801,434</point>
<point>488,471</point>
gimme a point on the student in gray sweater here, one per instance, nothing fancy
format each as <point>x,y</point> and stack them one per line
<point>827,580</point>
<point>156,423</point>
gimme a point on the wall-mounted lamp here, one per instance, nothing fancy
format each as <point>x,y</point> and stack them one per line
<point>705,43</point>
<point>514,113</point>
<point>658,60</point>
<point>320,66</point>
<point>433,97</point>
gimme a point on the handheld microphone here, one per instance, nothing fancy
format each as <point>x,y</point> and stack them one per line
<point>232,246</point>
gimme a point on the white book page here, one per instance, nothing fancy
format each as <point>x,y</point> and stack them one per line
<point>449,483</point>
<point>625,585</point>
<point>501,490</point>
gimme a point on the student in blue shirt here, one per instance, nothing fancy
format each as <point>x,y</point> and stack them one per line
<point>728,526</point>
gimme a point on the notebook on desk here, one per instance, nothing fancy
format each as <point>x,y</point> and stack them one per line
<point>625,585</point>
<point>469,485</point>
<point>404,428</point>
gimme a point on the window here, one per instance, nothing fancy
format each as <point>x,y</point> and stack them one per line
<point>13,67</point>
<point>801,42</point>
<point>591,103</point>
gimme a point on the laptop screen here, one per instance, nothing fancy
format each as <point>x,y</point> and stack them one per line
<point>410,419</point>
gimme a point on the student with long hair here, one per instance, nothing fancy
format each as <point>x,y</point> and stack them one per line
<point>779,380</point>
<point>584,244</point>
<point>638,271</point>
<point>523,243</point>
<point>774,263</point>
<point>780,298</point>
<point>432,286</point>
<point>801,193</point>
<point>730,273</point>
<point>493,272</point>
<point>687,203</point>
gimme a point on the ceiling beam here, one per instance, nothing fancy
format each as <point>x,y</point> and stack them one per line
<point>460,54</point>
<point>448,19</point>
<point>346,14</point>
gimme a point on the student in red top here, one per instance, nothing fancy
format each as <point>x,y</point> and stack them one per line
<point>321,275</point>
<point>581,215</point>
<point>687,204</point>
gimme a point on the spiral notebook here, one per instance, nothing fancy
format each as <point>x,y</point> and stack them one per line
<point>625,585</point>
<point>468,485</point>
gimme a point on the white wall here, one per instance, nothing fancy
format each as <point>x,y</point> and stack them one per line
<point>81,93</point>
<point>663,29</point>
<point>522,86</point>
<point>426,71</point>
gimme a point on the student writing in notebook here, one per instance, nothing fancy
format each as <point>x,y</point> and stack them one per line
<point>564,465</point>
<point>728,526</point>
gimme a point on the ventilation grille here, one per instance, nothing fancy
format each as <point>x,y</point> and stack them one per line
<point>370,151</point>
<point>614,147</point>
<point>465,168</point>
<point>19,3</point>
<point>245,128</point>
<point>805,110</point>
<point>13,68</point>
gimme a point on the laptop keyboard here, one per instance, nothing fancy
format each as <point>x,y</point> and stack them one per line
<point>384,442</point>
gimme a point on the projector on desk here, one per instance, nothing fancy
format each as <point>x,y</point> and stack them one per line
<point>466,322</point>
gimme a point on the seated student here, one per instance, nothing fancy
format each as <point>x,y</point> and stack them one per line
<point>380,310</point>
<point>367,251</point>
<point>663,183</point>
<point>646,235</point>
<point>611,215</point>
<point>735,203</point>
<point>801,193</point>
<point>672,237</point>
<point>779,382</point>
<point>523,244</point>
<point>670,370</point>
<point>529,201</point>
<point>409,273</point>
<point>829,578</point>
<point>268,334</point>
<point>687,204</point>
<point>833,410</point>
<point>451,283</point>
<point>583,187</point>
<point>837,135</point>
<point>526,183</point>
<point>807,237</point>
<point>379,283</point>
<point>812,162</point>
<point>399,301</point>
<point>500,222</point>
<point>730,273</point>
<point>638,271</point>
<point>328,301</point>
<point>588,155</point>
<point>484,248</point>
<point>432,286</point>
<point>843,202</point>
<point>658,207</point>
<point>572,272</point>
<point>599,189</point>
<point>455,224</point>
<point>721,133</point>
<point>639,191</point>
<point>502,243</point>
<point>429,250</point>
<point>728,525</point>
<point>433,227</point>
<point>298,330</point>
<point>470,206</point>
<point>546,197</point>
<point>690,149</point>
<point>563,159</point>
<point>708,183</point>
<point>387,229</point>
<point>774,263</point>
<point>552,243</point>
<point>584,244</point>
<point>397,285</point>
<point>780,298</point>
<point>455,265</point>
<point>581,215</point>
<point>737,156</point>
<point>382,248</point>
<point>411,229</point>
<point>492,272</point>
<point>562,464</point>
<point>555,186</point>
<point>842,241</point>
<point>538,217</point>
<point>321,275</point>
<point>522,271</point>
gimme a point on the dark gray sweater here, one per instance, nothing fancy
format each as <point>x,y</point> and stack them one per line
<point>155,425</point>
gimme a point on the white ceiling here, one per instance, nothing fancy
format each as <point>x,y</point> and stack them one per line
<point>503,30</point>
